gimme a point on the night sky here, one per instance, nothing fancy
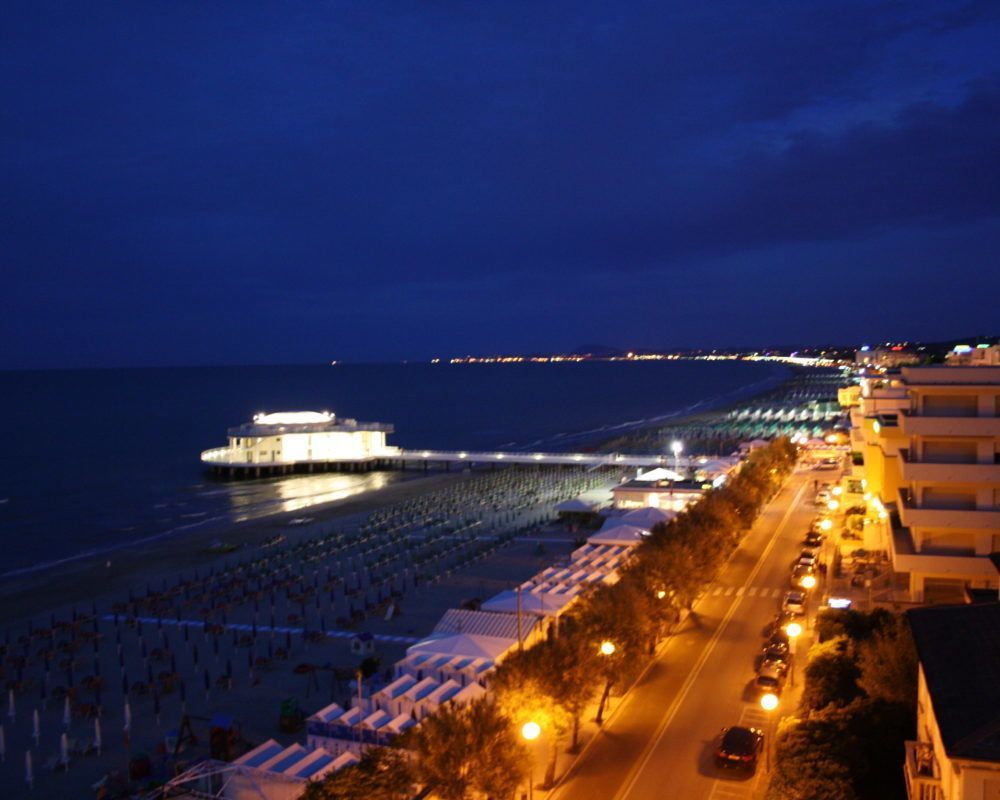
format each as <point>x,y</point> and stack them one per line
<point>200,182</point>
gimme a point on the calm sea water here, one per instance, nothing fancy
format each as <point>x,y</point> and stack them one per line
<point>99,459</point>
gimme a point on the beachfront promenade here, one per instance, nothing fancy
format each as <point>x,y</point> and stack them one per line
<point>230,461</point>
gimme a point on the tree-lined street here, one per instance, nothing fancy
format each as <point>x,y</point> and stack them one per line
<point>663,737</point>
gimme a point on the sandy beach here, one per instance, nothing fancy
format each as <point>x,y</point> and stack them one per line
<point>179,629</point>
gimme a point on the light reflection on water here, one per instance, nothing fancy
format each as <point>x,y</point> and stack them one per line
<point>253,500</point>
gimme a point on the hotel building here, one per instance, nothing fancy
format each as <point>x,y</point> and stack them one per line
<point>930,444</point>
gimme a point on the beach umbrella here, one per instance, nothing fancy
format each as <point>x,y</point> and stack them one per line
<point>183,693</point>
<point>64,751</point>
<point>149,672</point>
<point>127,727</point>
<point>3,745</point>
<point>97,698</point>
<point>173,663</point>
<point>215,647</point>
<point>43,689</point>
<point>67,718</point>
<point>156,706</point>
<point>124,683</point>
<point>97,735</point>
<point>11,708</point>
<point>208,683</point>
<point>29,771</point>
<point>194,654</point>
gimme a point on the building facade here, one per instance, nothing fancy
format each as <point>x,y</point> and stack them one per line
<point>930,445</point>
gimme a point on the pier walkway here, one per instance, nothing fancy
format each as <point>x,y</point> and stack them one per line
<point>224,460</point>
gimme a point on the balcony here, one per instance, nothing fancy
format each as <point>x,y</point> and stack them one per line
<point>913,516</point>
<point>923,776</point>
<point>913,470</point>
<point>920,425</point>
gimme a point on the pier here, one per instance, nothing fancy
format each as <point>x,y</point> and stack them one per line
<point>225,461</point>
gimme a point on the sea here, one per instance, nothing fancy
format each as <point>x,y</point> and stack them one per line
<point>97,460</point>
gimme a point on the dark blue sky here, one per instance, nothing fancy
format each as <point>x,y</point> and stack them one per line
<point>197,182</point>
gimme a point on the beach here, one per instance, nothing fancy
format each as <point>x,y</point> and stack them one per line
<point>173,628</point>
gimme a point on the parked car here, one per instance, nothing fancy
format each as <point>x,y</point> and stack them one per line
<point>770,677</point>
<point>813,539</point>
<point>799,573</point>
<point>739,747</point>
<point>810,551</point>
<point>794,603</point>
<point>806,560</point>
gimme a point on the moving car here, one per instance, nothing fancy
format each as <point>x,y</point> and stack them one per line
<point>794,603</point>
<point>739,747</point>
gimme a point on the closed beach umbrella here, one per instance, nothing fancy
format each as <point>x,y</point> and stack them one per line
<point>97,735</point>
<point>183,693</point>
<point>208,684</point>
<point>29,771</point>
<point>194,654</point>
<point>36,727</point>
<point>156,707</point>
<point>64,751</point>
<point>67,718</point>
<point>128,718</point>
<point>3,745</point>
<point>11,708</point>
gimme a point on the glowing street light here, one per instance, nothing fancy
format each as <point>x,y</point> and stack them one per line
<point>825,524</point>
<point>530,731</point>
<point>769,702</point>
<point>833,505</point>
<point>837,491</point>
<point>677,447</point>
<point>661,594</point>
<point>608,648</point>
<point>808,582</point>
<point>794,631</point>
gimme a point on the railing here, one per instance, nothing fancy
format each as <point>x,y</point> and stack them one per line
<point>923,777</point>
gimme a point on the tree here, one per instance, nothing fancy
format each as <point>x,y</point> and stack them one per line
<point>383,773</point>
<point>831,675</point>
<point>888,663</point>
<point>469,750</point>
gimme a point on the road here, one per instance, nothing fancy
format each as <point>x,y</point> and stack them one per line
<point>661,742</point>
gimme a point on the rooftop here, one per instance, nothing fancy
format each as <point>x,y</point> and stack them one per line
<point>959,648</point>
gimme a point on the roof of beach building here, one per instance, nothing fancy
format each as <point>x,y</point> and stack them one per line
<point>621,534</point>
<point>479,623</point>
<point>281,422</point>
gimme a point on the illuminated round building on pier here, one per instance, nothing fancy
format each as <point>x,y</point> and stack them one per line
<point>280,441</point>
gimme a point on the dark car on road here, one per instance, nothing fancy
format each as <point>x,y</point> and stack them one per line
<point>739,748</point>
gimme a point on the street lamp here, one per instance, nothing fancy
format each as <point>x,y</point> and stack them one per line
<point>825,524</point>
<point>833,505</point>
<point>769,702</point>
<point>808,582</point>
<point>677,447</point>
<point>794,630</point>
<point>529,732</point>
<point>607,648</point>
